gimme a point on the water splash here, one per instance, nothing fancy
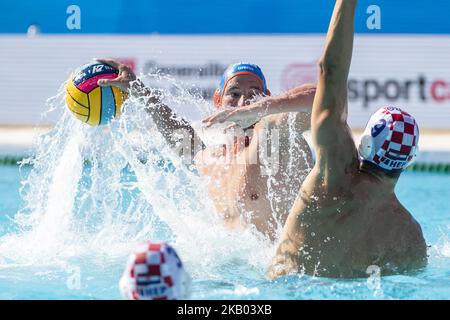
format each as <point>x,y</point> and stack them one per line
<point>442,247</point>
<point>93,193</point>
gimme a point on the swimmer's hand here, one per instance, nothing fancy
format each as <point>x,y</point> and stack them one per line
<point>243,117</point>
<point>128,82</point>
<point>126,75</point>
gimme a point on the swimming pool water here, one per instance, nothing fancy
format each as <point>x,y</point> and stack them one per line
<point>96,276</point>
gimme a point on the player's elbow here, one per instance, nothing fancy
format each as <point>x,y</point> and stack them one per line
<point>327,68</point>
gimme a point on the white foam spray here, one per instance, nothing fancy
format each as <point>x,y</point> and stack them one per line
<point>91,198</point>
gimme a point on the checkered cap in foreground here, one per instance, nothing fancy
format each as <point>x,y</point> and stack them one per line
<point>154,272</point>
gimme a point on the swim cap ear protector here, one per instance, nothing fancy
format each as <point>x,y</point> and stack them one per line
<point>234,70</point>
<point>217,97</point>
<point>390,140</point>
<point>155,272</point>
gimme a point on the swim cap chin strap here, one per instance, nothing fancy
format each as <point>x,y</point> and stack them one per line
<point>238,69</point>
<point>390,140</point>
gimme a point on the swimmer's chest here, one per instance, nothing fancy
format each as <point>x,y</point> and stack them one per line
<point>244,178</point>
<point>238,183</point>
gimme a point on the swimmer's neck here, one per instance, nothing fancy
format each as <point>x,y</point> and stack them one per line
<point>389,181</point>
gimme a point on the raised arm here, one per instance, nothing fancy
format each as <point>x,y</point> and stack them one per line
<point>167,122</point>
<point>331,135</point>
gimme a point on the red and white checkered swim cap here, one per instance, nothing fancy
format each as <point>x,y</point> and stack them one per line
<point>390,140</point>
<point>155,272</point>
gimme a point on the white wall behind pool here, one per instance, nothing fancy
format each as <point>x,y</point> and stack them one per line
<point>409,71</point>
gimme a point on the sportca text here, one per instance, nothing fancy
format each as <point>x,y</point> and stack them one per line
<point>420,88</point>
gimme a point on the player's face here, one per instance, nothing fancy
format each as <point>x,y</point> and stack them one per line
<point>241,89</point>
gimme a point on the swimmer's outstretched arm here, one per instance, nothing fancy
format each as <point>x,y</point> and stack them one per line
<point>333,142</point>
<point>171,126</point>
<point>299,100</point>
<point>167,122</point>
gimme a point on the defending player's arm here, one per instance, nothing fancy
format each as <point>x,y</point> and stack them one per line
<point>298,100</point>
<point>331,135</point>
<point>166,121</point>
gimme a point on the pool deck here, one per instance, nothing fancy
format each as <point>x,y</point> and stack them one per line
<point>17,141</point>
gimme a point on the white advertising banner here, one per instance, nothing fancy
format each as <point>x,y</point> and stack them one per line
<point>412,72</point>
